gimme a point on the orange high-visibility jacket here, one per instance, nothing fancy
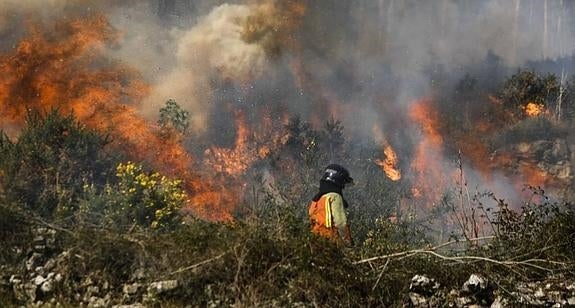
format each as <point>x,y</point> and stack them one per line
<point>327,215</point>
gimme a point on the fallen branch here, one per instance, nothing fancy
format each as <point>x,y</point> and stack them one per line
<point>462,259</point>
<point>40,221</point>
<point>380,274</point>
<point>415,251</point>
<point>191,267</point>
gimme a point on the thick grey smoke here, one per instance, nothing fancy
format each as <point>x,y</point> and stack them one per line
<point>361,60</point>
<point>212,48</point>
<point>363,52</point>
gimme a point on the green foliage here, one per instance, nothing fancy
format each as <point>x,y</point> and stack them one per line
<point>277,262</point>
<point>391,236</point>
<point>173,116</point>
<point>302,143</point>
<point>528,87</point>
<point>269,257</point>
<point>530,129</point>
<point>541,229</point>
<point>45,169</point>
<point>138,198</point>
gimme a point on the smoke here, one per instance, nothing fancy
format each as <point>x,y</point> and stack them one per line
<point>13,6</point>
<point>212,49</point>
<point>363,62</point>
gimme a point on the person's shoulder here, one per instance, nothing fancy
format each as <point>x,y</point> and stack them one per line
<point>333,195</point>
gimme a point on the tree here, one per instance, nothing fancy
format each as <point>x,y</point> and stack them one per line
<point>333,139</point>
<point>172,116</point>
<point>568,106</point>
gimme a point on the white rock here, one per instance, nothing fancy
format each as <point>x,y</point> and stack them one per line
<point>474,284</point>
<point>160,287</point>
<point>14,279</point>
<point>539,293</point>
<point>499,302</point>
<point>463,301</point>
<point>38,280</point>
<point>131,289</point>
<point>423,284</point>
<point>47,286</point>
<point>417,300</point>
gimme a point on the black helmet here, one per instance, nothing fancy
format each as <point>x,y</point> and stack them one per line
<point>337,174</point>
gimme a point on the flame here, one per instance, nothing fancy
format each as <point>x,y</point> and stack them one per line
<point>389,164</point>
<point>432,176</point>
<point>66,71</point>
<point>236,160</point>
<point>250,146</point>
<point>533,109</point>
<point>426,164</point>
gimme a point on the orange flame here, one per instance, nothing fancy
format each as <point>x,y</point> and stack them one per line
<point>65,71</point>
<point>426,164</point>
<point>389,164</point>
<point>236,160</point>
<point>250,146</point>
<point>533,109</point>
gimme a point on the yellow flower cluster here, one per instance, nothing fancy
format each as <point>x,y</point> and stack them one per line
<point>156,193</point>
<point>129,169</point>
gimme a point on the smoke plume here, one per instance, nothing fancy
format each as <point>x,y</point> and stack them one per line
<point>229,63</point>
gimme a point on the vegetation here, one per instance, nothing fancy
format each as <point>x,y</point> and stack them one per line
<point>118,222</point>
<point>137,199</point>
<point>45,169</point>
<point>172,116</point>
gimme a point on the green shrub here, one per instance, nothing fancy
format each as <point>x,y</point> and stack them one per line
<point>46,167</point>
<point>172,116</point>
<point>529,87</point>
<point>544,230</point>
<point>137,198</point>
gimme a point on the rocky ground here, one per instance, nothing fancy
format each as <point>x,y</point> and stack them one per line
<point>41,281</point>
<point>478,291</point>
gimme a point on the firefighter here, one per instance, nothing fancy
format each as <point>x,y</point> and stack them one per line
<point>327,209</point>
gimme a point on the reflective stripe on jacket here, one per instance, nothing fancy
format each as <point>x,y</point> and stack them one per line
<point>327,215</point>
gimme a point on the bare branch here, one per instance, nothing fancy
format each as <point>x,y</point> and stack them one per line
<point>415,251</point>
<point>191,267</point>
<point>380,274</point>
<point>462,259</point>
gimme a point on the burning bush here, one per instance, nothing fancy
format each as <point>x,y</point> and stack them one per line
<point>528,94</point>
